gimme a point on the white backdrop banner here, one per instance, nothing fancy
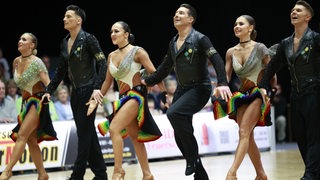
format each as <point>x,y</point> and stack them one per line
<point>213,136</point>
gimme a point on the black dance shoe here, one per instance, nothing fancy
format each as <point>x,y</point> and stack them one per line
<point>200,173</point>
<point>309,176</point>
<point>196,168</point>
<point>190,169</point>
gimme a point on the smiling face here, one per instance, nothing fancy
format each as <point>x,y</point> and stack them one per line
<point>12,88</point>
<point>26,44</point>
<point>63,95</point>
<point>118,35</point>
<point>242,28</point>
<point>299,15</point>
<point>182,17</point>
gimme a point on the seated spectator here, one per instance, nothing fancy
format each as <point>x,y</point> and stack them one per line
<point>8,113</point>
<point>12,90</point>
<point>62,103</point>
<point>170,83</point>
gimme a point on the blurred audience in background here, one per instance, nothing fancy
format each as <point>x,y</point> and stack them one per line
<point>8,113</point>
<point>62,103</point>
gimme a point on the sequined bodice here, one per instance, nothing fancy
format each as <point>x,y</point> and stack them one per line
<point>30,76</point>
<point>127,68</point>
<point>253,65</point>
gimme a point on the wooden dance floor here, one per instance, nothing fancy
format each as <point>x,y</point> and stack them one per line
<point>281,164</point>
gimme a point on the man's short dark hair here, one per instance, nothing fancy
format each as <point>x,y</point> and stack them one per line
<point>306,5</point>
<point>80,12</point>
<point>192,11</point>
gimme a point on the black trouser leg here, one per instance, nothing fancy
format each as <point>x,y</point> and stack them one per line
<point>306,127</point>
<point>185,104</point>
<point>89,149</point>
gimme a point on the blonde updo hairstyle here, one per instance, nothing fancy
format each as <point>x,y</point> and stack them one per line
<point>34,40</point>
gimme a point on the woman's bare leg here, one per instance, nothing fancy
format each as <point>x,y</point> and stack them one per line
<point>121,120</point>
<point>36,154</point>
<point>29,125</point>
<point>140,150</point>
<point>247,118</point>
<point>255,158</point>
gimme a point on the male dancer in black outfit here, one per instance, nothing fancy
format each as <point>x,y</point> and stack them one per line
<point>188,54</point>
<point>301,53</point>
<point>80,54</point>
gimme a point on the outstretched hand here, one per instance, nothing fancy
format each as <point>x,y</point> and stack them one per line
<point>266,97</point>
<point>92,106</point>
<point>96,98</point>
<point>45,98</point>
<point>223,91</point>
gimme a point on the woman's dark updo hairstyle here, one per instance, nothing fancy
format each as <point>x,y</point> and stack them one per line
<point>78,11</point>
<point>127,29</point>
<point>252,22</point>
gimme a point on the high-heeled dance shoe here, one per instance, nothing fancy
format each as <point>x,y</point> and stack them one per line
<point>148,178</point>
<point>118,175</point>
<point>264,177</point>
<point>5,175</point>
<point>229,177</point>
<point>92,106</point>
<point>43,176</point>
